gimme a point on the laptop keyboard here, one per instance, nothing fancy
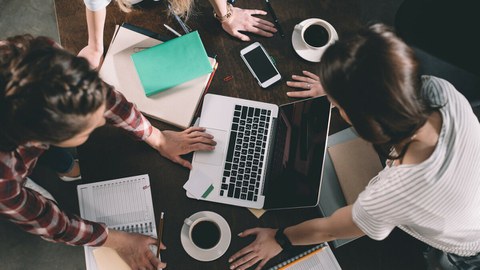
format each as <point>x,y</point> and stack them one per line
<point>246,151</point>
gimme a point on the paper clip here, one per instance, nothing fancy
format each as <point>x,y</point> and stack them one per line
<point>228,78</point>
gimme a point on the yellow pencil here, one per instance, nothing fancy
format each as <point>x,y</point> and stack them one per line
<point>159,234</point>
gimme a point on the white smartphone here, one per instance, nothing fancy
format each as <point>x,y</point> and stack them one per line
<point>260,65</point>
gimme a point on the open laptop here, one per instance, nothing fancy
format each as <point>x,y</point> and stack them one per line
<point>267,156</point>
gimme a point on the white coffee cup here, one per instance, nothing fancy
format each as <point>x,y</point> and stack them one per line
<point>203,232</point>
<point>316,34</point>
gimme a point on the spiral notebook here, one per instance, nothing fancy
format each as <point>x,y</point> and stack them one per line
<point>122,204</point>
<point>320,257</point>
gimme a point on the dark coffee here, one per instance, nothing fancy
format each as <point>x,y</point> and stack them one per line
<point>316,35</point>
<point>205,234</point>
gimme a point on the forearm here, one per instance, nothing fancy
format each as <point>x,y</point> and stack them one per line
<point>337,226</point>
<point>95,24</point>
<point>40,216</point>
<point>156,138</point>
<point>114,239</point>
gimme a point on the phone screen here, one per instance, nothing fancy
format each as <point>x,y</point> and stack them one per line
<point>260,64</point>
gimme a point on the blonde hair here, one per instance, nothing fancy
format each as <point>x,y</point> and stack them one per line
<point>179,7</point>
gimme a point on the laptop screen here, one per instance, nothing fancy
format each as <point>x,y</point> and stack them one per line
<point>296,163</point>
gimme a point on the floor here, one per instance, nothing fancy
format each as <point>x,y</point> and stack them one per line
<point>19,250</point>
<point>36,17</point>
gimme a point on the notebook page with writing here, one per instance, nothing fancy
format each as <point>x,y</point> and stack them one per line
<point>123,204</point>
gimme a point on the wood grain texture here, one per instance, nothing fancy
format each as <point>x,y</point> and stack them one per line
<point>73,35</point>
<point>110,153</point>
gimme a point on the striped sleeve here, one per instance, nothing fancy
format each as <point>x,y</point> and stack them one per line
<point>124,114</point>
<point>371,226</point>
<point>40,216</point>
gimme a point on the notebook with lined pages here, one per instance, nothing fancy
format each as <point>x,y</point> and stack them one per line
<point>122,204</point>
<point>319,257</point>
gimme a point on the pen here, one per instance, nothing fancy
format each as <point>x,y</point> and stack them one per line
<point>171,30</point>
<point>275,19</point>
<point>159,234</point>
<point>185,27</point>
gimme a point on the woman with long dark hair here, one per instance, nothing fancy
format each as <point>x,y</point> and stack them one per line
<point>430,187</point>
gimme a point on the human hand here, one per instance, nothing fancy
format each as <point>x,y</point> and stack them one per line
<point>172,144</point>
<point>134,249</point>
<point>261,250</point>
<point>243,20</point>
<point>310,82</point>
<point>93,56</point>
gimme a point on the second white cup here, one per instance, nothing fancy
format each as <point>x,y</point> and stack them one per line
<point>203,232</point>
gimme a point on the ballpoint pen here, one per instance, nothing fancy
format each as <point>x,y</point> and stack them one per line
<point>159,234</point>
<point>275,19</point>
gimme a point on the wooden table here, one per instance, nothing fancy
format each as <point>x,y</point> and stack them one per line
<point>110,153</point>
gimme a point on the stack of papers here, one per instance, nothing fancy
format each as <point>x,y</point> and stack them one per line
<point>122,204</point>
<point>177,105</point>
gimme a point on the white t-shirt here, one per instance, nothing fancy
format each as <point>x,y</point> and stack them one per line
<point>95,5</point>
<point>438,200</point>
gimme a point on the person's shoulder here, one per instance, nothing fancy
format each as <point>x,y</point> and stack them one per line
<point>441,92</point>
<point>381,185</point>
<point>434,86</point>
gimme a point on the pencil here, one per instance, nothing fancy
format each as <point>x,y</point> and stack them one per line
<point>159,234</point>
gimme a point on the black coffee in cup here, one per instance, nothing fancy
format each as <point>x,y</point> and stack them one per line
<point>205,234</point>
<point>316,35</point>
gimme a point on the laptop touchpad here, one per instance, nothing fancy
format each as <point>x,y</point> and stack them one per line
<point>217,156</point>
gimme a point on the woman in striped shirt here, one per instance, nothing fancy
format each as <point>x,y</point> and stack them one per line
<point>430,187</point>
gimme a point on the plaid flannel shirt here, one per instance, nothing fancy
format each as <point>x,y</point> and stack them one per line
<point>38,215</point>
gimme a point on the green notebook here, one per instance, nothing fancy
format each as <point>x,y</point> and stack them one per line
<point>171,63</point>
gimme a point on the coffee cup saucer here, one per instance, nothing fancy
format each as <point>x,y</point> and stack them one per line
<point>217,251</point>
<point>312,55</point>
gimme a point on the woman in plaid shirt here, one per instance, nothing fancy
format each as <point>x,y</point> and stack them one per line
<point>51,97</point>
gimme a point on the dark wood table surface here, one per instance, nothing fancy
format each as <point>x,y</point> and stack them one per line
<point>111,153</point>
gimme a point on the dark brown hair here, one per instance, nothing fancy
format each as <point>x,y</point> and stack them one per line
<point>374,76</point>
<point>45,92</point>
